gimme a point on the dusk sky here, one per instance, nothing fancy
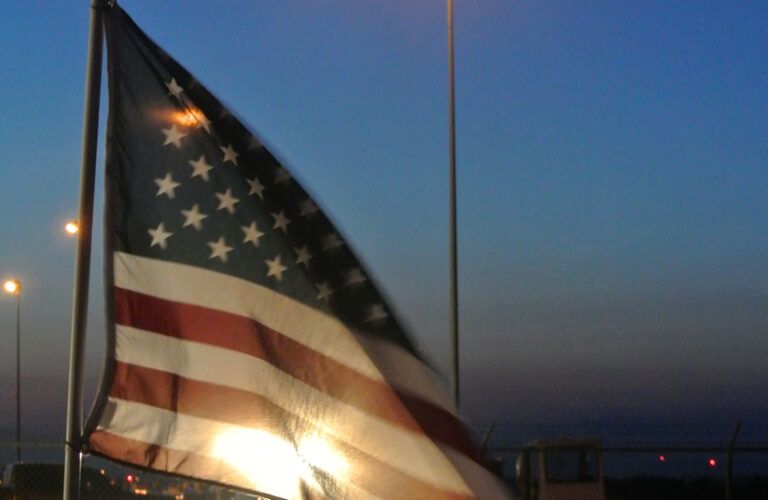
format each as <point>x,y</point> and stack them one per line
<point>612,184</point>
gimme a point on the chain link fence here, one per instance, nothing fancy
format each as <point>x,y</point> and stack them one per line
<point>649,461</point>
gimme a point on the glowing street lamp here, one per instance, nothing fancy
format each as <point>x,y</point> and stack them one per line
<point>71,227</point>
<point>13,287</point>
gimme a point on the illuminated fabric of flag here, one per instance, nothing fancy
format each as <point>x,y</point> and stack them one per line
<point>248,346</point>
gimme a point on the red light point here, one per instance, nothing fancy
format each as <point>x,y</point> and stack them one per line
<point>129,478</point>
<point>662,458</point>
<point>712,462</point>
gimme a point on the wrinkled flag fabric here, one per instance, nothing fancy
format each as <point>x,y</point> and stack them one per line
<point>248,347</point>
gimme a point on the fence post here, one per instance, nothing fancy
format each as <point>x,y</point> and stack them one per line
<point>729,464</point>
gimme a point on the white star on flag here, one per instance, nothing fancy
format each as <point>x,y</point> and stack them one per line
<point>200,168</point>
<point>324,291</point>
<point>226,200</point>
<point>166,185</point>
<point>173,136</point>
<point>303,256</point>
<point>376,313</point>
<point>174,89</point>
<point>202,121</point>
<point>354,277</point>
<point>276,268</point>
<point>229,154</point>
<point>159,236</point>
<point>193,217</point>
<point>252,234</point>
<point>281,221</point>
<point>308,208</point>
<point>331,242</point>
<point>219,249</point>
<point>282,175</point>
<point>257,187</point>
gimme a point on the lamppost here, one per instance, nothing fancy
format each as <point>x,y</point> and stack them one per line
<point>13,287</point>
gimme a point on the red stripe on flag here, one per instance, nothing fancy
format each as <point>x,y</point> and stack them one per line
<point>247,336</point>
<point>180,395</point>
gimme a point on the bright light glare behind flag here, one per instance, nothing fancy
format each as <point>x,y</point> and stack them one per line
<point>248,346</point>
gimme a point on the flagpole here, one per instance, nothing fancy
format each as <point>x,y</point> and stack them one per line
<point>454,264</point>
<point>73,457</point>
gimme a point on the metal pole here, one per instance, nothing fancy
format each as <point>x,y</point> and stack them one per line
<point>454,265</point>
<point>73,457</point>
<point>729,468</point>
<point>18,376</point>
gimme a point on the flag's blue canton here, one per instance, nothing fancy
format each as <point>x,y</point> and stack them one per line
<point>190,184</point>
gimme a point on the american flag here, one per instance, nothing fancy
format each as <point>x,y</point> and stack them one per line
<point>248,346</point>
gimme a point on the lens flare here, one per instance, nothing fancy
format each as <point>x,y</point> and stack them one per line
<point>273,464</point>
<point>318,453</point>
<point>270,463</point>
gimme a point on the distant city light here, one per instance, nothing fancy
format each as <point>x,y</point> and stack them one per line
<point>662,458</point>
<point>71,227</point>
<point>712,462</point>
<point>129,478</point>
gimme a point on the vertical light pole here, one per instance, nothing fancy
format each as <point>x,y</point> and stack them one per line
<point>452,173</point>
<point>13,287</point>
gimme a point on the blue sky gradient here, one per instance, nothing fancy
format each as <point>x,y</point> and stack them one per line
<point>613,184</point>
